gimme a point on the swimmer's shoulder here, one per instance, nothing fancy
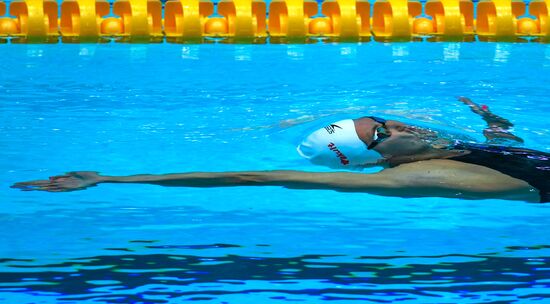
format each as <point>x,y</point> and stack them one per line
<point>452,174</point>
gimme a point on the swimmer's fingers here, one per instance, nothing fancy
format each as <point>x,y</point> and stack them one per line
<point>31,185</point>
<point>39,186</point>
<point>466,100</point>
<point>474,106</point>
<point>60,183</point>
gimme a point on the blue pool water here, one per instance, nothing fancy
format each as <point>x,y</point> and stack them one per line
<point>129,109</point>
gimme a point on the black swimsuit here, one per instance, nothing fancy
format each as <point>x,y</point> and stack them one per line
<point>528,165</point>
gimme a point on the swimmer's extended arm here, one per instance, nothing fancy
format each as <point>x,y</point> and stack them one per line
<point>420,179</point>
<point>80,180</point>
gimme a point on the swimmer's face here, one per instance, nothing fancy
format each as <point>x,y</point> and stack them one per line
<point>402,140</point>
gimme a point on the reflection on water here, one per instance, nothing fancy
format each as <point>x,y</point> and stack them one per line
<point>161,278</point>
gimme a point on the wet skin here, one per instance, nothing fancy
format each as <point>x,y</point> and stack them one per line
<point>418,169</point>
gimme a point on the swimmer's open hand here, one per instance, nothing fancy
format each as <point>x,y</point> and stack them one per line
<point>71,181</point>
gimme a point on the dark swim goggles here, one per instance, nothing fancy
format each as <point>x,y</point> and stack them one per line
<point>380,133</point>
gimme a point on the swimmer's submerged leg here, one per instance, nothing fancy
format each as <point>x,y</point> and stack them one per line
<point>497,127</point>
<point>421,179</point>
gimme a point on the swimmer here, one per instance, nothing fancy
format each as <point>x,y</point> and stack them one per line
<point>498,128</point>
<point>416,164</point>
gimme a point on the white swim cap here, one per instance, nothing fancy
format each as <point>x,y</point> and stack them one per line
<point>338,146</point>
